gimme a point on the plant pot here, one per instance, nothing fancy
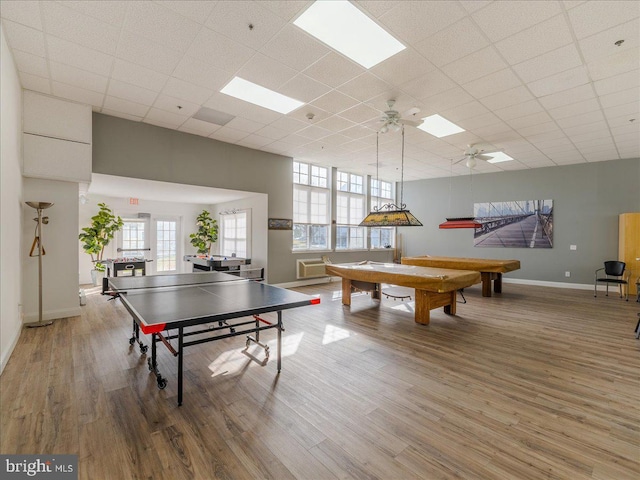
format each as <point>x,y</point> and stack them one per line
<point>96,277</point>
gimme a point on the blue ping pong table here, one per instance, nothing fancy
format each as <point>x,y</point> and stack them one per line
<point>208,305</point>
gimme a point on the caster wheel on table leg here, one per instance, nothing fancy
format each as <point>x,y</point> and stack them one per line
<point>132,340</point>
<point>143,349</point>
<point>162,383</point>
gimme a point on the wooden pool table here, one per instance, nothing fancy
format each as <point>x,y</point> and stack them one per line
<point>434,287</point>
<point>489,269</point>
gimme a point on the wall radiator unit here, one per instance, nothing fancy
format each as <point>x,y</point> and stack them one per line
<point>310,268</point>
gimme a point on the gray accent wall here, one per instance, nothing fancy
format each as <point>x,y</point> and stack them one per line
<point>587,199</point>
<point>133,149</point>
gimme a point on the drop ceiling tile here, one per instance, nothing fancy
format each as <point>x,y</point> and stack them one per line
<point>452,43</point>
<point>186,91</point>
<point>529,120</point>
<point>35,83</point>
<point>620,98</point>
<point>232,19</point>
<point>474,5</point>
<point>198,127</point>
<point>76,27</point>
<point>592,17</point>
<point>616,64</point>
<point>272,133</point>
<point>77,94</point>
<point>493,83</point>
<point>432,83</point>
<point>115,113</point>
<point>358,132</point>
<point>411,22</point>
<point>623,122</point>
<point>582,119</point>
<point>227,104</point>
<point>548,64</point>
<point>125,106</point>
<point>79,78</point>
<point>254,141</point>
<point>519,110</point>
<point>286,9</point>
<point>160,25</point>
<point>604,44</point>
<point>137,75</point>
<point>147,53</point>
<point>586,136</point>
<point>260,114</point>
<point>334,102</point>
<point>303,88</point>
<point>537,129</point>
<point>164,119</point>
<point>33,64</point>
<point>360,113</point>
<point>589,128</point>
<point>507,98</point>
<point>476,65</point>
<point>245,125</point>
<point>227,134</point>
<point>461,112</point>
<point>566,97</point>
<point>202,74</point>
<point>266,71</point>
<point>502,19</point>
<point>444,100</point>
<point>335,123</point>
<point>574,109</point>
<point>334,69</point>
<point>632,108</point>
<point>22,11</point>
<point>23,38</point>
<point>479,121</point>
<point>111,12</point>
<point>197,10</point>
<point>216,49</point>
<point>559,82</point>
<point>70,53</point>
<point>176,105</point>
<point>492,132</point>
<point>314,132</point>
<point>402,67</point>
<point>288,124</point>
<point>625,127</point>
<point>537,40</point>
<point>294,48</point>
<point>616,83</point>
<point>133,93</point>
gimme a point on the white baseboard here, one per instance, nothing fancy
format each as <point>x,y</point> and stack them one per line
<point>53,314</point>
<point>7,354</point>
<point>304,283</point>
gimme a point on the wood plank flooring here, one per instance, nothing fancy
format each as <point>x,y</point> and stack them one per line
<point>532,383</point>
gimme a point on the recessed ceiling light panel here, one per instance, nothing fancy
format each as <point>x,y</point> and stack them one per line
<point>261,96</point>
<point>497,157</point>
<point>439,126</point>
<point>346,29</point>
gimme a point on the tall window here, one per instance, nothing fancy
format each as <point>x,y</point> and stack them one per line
<point>133,238</point>
<point>236,234</point>
<point>311,201</point>
<point>166,248</point>
<point>381,193</point>
<point>350,206</point>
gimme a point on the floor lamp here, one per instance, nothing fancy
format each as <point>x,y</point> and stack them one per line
<point>37,243</point>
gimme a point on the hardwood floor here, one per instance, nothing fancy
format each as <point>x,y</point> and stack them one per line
<point>528,384</point>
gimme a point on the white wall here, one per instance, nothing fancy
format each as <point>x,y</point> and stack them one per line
<point>60,240</point>
<point>185,211</point>
<point>258,204</point>
<point>10,203</point>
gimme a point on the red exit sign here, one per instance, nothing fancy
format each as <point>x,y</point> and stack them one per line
<point>133,201</point>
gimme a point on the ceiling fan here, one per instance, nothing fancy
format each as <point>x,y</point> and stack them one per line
<point>392,120</point>
<point>473,153</point>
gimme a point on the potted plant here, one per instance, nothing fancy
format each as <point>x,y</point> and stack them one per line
<point>95,237</point>
<point>206,235</point>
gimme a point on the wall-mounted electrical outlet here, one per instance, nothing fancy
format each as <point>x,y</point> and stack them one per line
<point>567,274</point>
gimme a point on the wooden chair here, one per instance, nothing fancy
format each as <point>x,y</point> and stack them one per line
<point>614,274</point>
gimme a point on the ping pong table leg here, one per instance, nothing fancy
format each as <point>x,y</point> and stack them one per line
<point>180,363</point>
<point>279,340</point>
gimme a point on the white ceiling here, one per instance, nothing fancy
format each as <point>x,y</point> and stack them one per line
<point>542,80</point>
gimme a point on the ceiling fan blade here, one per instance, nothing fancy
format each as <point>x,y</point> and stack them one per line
<point>461,160</point>
<point>411,123</point>
<point>483,157</point>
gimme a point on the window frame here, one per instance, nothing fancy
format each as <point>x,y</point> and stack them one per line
<point>311,179</point>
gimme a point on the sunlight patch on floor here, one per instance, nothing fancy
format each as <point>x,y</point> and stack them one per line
<point>334,334</point>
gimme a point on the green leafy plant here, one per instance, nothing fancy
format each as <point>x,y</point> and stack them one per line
<point>95,237</point>
<point>206,235</point>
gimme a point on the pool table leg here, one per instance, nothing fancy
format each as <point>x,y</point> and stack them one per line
<point>346,291</point>
<point>486,283</point>
<point>427,301</point>
<point>497,283</point>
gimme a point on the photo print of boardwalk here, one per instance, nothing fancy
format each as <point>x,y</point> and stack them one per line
<point>520,224</point>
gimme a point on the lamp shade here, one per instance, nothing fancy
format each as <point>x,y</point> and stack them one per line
<point>390,218</point>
